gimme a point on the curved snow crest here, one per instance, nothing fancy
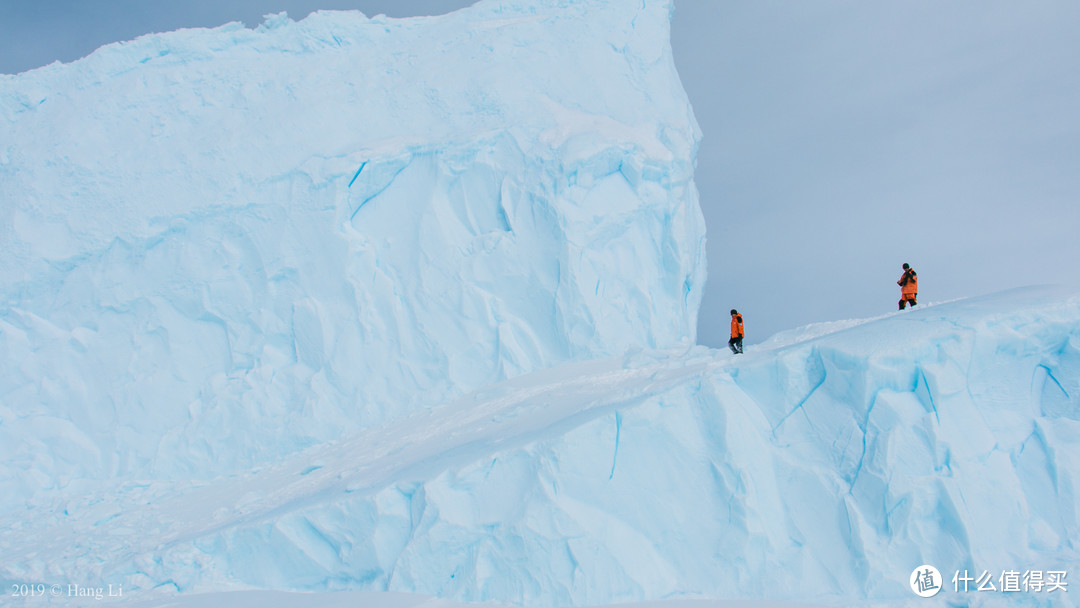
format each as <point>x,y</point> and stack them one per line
<point>817,330</point>
<point>220,246</point>
<point>824,471</point>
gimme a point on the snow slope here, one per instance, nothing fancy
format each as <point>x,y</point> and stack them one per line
<point>822,471</point>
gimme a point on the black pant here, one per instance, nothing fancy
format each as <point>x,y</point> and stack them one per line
<point>910,300</point>
<point>736,345</point>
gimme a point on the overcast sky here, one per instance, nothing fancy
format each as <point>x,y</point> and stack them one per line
<point>842,138</point>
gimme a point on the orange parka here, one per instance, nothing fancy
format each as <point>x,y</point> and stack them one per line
<point>737,330</point>
<point>909,283</point>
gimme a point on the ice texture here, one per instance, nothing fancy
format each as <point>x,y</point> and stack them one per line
<point>375,305</point>
<point>220,246</point>
<point>821,470</point>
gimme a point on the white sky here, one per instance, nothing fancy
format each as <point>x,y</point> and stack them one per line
<point>841,138</point>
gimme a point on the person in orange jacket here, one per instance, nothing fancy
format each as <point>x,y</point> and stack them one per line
<point>909,287</point>
<point>737,332</point>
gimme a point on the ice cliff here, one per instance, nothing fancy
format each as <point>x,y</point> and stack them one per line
<point>408,305</point>
<point>219,246</point>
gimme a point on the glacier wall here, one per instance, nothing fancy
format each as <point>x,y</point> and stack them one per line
<point>220,246</point>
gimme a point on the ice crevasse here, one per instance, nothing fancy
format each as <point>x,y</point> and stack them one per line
<point>409,305</point>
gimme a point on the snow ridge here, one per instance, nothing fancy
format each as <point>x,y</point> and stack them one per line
<point>815,471</point>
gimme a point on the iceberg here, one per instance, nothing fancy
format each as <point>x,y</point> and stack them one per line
<point>221,246</point>
<point>391,309</point>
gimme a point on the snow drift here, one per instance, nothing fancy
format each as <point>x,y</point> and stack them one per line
<point>408,305</point>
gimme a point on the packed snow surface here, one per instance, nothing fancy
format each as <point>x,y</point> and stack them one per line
<point>407,306</point>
